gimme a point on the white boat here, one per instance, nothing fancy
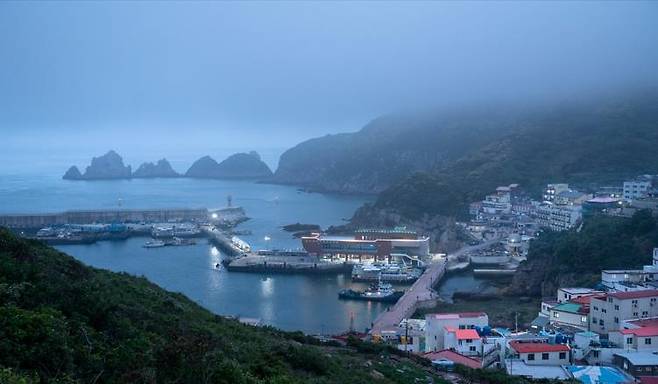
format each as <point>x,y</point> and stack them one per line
<point>154,244</point>
<point>385,272</point>
<point>240,244</point>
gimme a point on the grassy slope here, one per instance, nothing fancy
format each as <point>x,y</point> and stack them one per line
<point>61,321</point>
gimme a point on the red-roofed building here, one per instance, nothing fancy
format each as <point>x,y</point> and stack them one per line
<point>464,341</point>
<point>609,312</point>
<point>436,324</point>
<point>639,335</point>
<point>538,353</point>
<point>448,355</point>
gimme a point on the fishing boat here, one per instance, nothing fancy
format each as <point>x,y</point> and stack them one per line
<point>154,244</point>
<point>382,292</point>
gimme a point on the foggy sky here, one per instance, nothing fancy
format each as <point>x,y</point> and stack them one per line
<point>174,75</point>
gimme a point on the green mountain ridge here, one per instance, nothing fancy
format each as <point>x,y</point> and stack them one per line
<point>437,163</point>
<point>64,322</point>
<point>584,145</point>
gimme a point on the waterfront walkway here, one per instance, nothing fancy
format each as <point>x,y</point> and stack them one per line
<point>421,292</point>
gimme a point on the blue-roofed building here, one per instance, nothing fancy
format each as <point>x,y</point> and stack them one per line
<point>589,374</point>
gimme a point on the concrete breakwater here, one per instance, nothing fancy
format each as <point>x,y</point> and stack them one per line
<point>39,220</point>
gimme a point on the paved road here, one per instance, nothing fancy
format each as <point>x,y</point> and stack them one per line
<point>420,291</point>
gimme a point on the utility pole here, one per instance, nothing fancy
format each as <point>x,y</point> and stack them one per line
<point>516,322</point>
<point>406,336</point>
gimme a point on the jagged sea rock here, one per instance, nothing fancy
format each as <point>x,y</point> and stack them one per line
<point>108,166</point>
<point>205,167</point>
<point>237,166</point>
<point>73,173</point>
<point>160,169</point>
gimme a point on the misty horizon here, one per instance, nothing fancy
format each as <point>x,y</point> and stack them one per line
<point>194,77</point>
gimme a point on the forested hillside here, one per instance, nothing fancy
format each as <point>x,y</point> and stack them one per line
<point>581,144</point>
<point>63,322</point>
<point>438,163</point>
<point>571,258</point>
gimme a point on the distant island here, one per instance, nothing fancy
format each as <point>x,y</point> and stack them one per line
<point>111,166</point>
<point>237,166</point>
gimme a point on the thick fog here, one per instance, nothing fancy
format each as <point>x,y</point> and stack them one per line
<point>167,77</point>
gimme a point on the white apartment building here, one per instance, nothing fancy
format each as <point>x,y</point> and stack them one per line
<point>636,188</point>
<point>436,324</point>
<point>609,311</point>
<point>626,280</point>
<point>559,217</point>
<point>537,353</point>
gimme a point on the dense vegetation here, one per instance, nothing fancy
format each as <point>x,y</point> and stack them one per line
<point>437,163</point>
<point>63,322</point>
<point>388,149</point>
<point>586,145</point>
<point>572,258</point>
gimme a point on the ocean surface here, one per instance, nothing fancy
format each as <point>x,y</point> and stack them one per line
<point>291,302</point>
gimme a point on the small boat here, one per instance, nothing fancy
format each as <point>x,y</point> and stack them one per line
<point>154,244</point>
<point>377,292</point>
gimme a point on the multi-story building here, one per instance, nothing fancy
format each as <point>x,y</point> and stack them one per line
<point>559,217</point>
<point>535,353</point>
<point>626,280</point>
<point>609,311</point>
<point>552,190</point>
<point>437,323</point>
<point>637,188</point>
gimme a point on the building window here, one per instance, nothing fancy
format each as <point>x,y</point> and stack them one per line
<point>635,314</point>
<point>583,319</point>
<point>647,341</point>
<point>617,320</point>
<point>563,355</point>
<point>645,313</point>
<point>472,348</point>
<point>544,356</point>
<point>629,340</point>
<point>594,353</point>
<point>531,356</point>
<point>593,320</point>
<point>556,315</point>
<point>616,307</point>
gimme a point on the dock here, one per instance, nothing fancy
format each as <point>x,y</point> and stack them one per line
<point>421,294</point>
<point>286,264</point>
<point>220,239</point>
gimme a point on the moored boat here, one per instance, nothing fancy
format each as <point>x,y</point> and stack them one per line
<point>382,292</point>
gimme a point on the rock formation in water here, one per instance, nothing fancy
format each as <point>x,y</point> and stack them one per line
<point>72,174</point>
<point>108,166</point>
<point>237,166</point>
<point>160,169</point>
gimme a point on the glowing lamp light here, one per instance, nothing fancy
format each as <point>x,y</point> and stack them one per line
<point>214,216</point>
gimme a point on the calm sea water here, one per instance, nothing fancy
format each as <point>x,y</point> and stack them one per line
<point>291,302</point>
